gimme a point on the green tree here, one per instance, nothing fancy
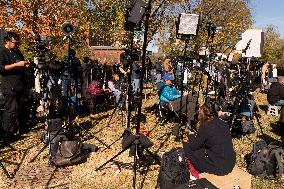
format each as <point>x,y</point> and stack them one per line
<point>234,16</point>
<point>273,44</point>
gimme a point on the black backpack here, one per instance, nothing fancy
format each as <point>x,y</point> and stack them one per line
<point>69,153</point>
<point>267,162</point>
<point>173,170</point>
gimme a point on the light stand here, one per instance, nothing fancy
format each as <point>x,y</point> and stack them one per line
<point>137,142</point>
<point>187,28</point>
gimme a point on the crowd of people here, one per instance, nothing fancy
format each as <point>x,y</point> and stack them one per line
<point>209,149</point>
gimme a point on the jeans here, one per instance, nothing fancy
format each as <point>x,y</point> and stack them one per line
<point>135,85</point>
<point>247,108</point>
<point>117,95</point>
<point>158,78</point>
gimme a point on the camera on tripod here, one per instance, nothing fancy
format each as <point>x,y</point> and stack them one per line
<point>40,50</point>
<point>128,57</point>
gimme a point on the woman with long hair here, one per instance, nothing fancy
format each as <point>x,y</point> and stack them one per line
<point>210,150</point>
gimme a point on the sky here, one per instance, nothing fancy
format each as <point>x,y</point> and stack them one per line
<point>265,12</point>
<point>269,12</point>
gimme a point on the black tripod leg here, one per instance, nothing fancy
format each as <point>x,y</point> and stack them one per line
<point>135,166</point>
<point>113,112</point>
<point>258,121</point>
<point>41,150</point>
<point>110,160</point>
<point>45,146</point>
<point>107,146</point>
<point>4,170</point>
<point>6,144</point>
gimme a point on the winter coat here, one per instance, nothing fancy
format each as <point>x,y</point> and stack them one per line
<point>167,93</point>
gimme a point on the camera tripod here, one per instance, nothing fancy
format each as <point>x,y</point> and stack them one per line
<point>44,78</point>
<point>242,96</point>
<point>138,142</point>
<point>4,170</point>
<point>60,128</point>
<point>2,144</point>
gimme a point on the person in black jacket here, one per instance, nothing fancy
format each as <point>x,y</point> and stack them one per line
<point>210,150</point>
<point>12,66</point>
<point>275,95</point>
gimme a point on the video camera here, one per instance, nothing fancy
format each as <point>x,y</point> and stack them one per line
<point>128,57</point>
<point>40,50</point>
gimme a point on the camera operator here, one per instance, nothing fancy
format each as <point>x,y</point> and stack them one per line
<point>76,80</point>
<point>149,67</point>
<point>87,68</point>
<point>168,66</point>
<point>126,59</point>
<point>12,66</point>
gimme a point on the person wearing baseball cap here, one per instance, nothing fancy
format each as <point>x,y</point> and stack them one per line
<point>167,91</point>
<point>171,97</point>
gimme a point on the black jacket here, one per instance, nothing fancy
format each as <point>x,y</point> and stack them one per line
<point>11,80</point>
<point>211,150</point>
<point>275,93</point>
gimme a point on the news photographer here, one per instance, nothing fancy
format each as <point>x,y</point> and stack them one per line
<point>159,70</point>
<point>12,67</point>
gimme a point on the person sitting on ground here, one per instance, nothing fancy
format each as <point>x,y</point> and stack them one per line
<point>275,95</point>
<point>115,87</point>
<point>170,96</point>
<point>210,149</point>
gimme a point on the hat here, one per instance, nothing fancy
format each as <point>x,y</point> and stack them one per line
<point>168,76</point>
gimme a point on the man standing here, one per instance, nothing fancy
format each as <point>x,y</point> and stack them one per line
<point>135,77</point>
<point>12,66</point>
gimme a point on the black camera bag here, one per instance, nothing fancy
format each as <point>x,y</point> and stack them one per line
<point>268,162</point>
<point>69,153</point>
<point>173,170</point>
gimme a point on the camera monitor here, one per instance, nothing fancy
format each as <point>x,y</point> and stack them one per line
<point>187,25</point>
